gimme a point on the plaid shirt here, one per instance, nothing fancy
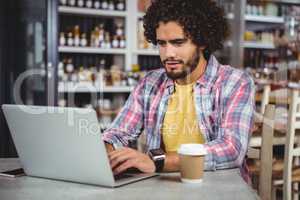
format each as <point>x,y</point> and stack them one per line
<point>224,103</point>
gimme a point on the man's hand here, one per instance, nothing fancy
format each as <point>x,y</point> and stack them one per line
<point>125,158</point>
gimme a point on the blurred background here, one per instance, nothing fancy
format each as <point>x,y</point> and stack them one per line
<point>91,53</point>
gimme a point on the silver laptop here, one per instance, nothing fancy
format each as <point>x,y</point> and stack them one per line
<point>64,144</point>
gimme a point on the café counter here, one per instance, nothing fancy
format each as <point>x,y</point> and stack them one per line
<point>221,184</point>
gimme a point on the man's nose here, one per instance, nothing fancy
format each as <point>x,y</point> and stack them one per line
<point>170,51</point>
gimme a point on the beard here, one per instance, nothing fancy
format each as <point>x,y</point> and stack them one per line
<point>187,67</point>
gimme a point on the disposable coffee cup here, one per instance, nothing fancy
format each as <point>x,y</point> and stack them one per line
<point>191,158</point>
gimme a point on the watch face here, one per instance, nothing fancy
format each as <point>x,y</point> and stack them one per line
<point>156,152</point>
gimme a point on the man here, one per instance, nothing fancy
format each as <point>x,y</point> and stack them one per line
<point>193,99</point>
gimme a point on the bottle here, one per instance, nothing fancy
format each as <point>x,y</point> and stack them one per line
<point>81,74</point>
<point>122,42</point>
<point>70,41</point>
<point>102,64</point>
<point>96,35</point>
<point>104,4</point>
<point>63,2</point>
<point>62,39</point>
<point>115,42</point>
<point>119,30</point>
<point>111,5</point>
<point>97,4</point>
<point>74,77</point>
<point>107,40</point>
<point>60,71</point>
<point>92,41</point>
<point>89,4</point>
<point>71,2</point>
<point>69,66</point>
<point>76,35</point>
<point>80,3</point>
<point>101,32</point>
<point>69,69</point>
<point>121,5</point>
<point>83,41</point>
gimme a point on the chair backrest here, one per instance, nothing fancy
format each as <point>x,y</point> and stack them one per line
<point>291,151</point>
<point>265,154</point>
<point>265,97</point>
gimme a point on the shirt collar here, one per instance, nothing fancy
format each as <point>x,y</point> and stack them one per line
<point>206,80</point>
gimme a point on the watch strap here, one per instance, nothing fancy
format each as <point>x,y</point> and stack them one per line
<point>159,165</point>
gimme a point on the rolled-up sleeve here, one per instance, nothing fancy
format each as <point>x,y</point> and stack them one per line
<point>128,124</point>
<point>228,150</point>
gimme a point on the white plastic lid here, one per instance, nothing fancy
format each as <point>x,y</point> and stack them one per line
<point>192,149</point>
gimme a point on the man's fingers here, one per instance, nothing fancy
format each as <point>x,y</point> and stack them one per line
<point>112,155</point>
<point>124,166</point>
<point>121,158</point>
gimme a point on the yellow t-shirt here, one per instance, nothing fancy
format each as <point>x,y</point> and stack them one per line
<point>180,123</point>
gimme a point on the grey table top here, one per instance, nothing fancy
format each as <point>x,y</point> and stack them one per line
<point>222,184</point>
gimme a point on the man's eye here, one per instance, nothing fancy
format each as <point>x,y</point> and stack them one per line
<point>178,43</point>
<point>161,43</point>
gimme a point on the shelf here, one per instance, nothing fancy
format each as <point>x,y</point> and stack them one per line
<point>147,52</point>
<point>259,45</point>
<point>91,11</point>
<point>264,19</point>
<point>293,2</point>
<point>93,50</point>
<point>87,87</point>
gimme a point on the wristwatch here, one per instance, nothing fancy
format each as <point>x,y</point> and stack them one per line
<point>158,156</point>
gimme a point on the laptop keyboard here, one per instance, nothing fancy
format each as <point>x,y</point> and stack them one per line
<point>122,176</point>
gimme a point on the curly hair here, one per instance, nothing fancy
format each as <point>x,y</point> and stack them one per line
<point>202,21</point>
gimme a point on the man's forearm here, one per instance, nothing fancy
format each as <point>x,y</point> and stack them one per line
<point>171,162</point>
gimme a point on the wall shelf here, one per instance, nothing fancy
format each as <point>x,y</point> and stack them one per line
<point>91,12</point>
<point>258,45</point>
<point>90,88</point>
<point>264,19</point>
<point>91,50</point>
<point>149,52</point>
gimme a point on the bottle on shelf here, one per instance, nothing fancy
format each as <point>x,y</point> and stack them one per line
<point>71,2</point>
<point>89,3</point>
<point>111,5</point>
<point>60,71</point>
<point>119,29</point>
<point>96,37</point>
<point>101,35</point>
<point>76,35</point>
<point>115,42</point>
<point>83,40</point>
<point>80,3</point>
<point>116,75</point>
<point>97,4</point>
<point>104,4</point>
<point>69,69</point>
<point>92,39</point>
<point>122,42</point>
<point>121,5</point>
<point>63,2</point>
<point>62,39</point>
<point>107,40</point>
<point>70,40</point>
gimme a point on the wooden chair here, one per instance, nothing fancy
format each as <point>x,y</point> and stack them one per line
<point>291,169</point>
<point>284,172</point>
<point>265,154</point>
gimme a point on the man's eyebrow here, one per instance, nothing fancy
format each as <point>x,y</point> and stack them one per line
<point>174,40</point>
<point>178,40</point>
